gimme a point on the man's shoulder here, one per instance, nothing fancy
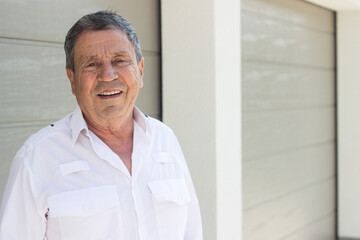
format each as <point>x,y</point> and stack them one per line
<point>51,130</point>
<point>158,126</point>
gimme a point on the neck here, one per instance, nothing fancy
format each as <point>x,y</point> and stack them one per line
<point>120,130</point>
<point>118,136</point>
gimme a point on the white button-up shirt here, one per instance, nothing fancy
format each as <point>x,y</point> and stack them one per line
<point>65,183</point>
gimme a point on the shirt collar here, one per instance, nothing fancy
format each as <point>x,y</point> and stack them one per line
<point>143,121</point>
<point>77,123</point>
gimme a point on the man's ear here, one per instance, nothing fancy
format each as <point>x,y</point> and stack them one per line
<point>71,75</point>
<point>141,70</point>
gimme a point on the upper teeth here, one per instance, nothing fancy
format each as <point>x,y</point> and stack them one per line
<point>109,93</point>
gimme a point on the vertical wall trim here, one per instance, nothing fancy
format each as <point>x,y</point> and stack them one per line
<point>336,131</point>
<point>189,94</point>
<point>228,118</point>
<point>201,103</point>
<point>348,70</point>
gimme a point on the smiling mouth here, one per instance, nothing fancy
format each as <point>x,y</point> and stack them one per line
<point>110,93</point>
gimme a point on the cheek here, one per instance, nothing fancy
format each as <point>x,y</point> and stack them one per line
<point>134,71</point>
<point>78,88</point>
<point>84,86</point>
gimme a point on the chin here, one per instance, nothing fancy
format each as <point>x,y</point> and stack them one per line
<point>112,113</point>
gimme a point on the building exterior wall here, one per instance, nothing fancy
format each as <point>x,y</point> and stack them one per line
<point>288,89</point>
<point>34,89</point>
<point>32,31</point>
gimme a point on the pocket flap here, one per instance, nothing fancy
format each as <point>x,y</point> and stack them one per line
<point>83,202</point>
<point>170,190</point>
<point>75,166</point>
<point>163,157</point>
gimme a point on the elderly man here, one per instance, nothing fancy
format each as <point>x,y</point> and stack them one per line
<point>106,171</point>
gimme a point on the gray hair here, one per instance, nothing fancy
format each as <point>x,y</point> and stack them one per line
<point>101,20</point>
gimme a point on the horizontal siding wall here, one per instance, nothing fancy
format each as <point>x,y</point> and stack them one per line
<point>288,97</point>
<point>34,89</point>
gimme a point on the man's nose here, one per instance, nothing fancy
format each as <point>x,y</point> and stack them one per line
<point>108,73</point>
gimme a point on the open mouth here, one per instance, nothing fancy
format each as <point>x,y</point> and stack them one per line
<point>110,93</point>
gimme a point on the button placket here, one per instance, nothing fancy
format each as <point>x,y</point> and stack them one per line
<point>136,199</point>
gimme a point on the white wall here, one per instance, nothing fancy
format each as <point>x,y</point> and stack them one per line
<point>349,123</point>
<point>201,102</point>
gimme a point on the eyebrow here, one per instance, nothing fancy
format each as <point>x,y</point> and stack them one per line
<point>115,54</point>
<point>85,60</point>
<point>121,54</point>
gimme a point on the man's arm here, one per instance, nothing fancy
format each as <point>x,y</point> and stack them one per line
<point>19,215</point>
<point>193,225</point>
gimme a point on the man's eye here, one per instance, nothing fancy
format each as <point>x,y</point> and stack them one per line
<point>91,66</point>
<point>121,62</point>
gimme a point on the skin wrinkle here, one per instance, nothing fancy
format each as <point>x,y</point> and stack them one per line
<point>107,62</point>
<point>124,55</point>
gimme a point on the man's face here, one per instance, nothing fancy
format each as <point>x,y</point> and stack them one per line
<point>107,77</point>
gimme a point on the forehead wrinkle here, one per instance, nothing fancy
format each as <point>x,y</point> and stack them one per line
<point>121,54</point>
<point>107,54</point>
<point>90,48</point>
<point>107,48</point>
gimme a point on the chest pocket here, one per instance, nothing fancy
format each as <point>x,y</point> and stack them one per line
<point>89,213</point>
<point>170,190</point>
<point>171,198</point>
<point>166,167</point>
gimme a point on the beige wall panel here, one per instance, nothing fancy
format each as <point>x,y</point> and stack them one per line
<point>295,12</point>
<point>272,86</point>
<point>11,139</point>
<point>277,175</point>
<point>287,214</point>
<point>270,132</point>
<point>149,99</point>
<point>288,51</point>
<point>271,40</point>
<point>33,85</point>
<point>323,229</point>
<point>50,20</point>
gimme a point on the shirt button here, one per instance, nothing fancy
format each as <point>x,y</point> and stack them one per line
<point>85,208</point>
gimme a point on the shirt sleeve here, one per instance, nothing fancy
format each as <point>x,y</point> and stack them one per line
<point>19,214</point>
<point>193,225</point>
